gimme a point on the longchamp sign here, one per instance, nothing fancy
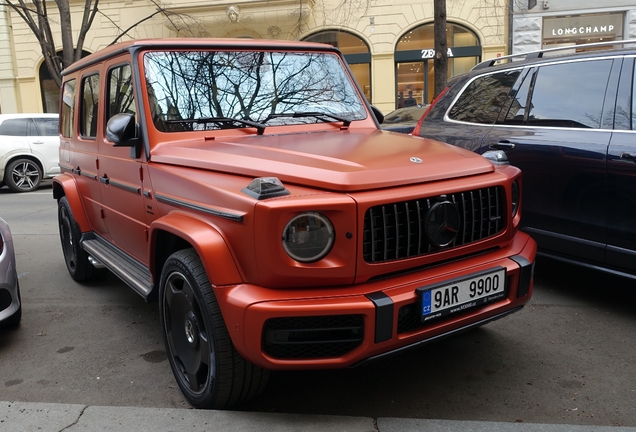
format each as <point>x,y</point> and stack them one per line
<point>607,25</point>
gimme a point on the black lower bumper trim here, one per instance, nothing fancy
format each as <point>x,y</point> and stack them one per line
<point>435,338</point>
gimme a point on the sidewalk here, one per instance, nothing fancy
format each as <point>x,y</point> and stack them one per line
<point>26,416</point>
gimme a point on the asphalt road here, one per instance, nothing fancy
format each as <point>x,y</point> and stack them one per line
<point>568,357</point>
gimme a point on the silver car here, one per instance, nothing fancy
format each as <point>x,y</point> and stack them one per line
<point>10,302</point>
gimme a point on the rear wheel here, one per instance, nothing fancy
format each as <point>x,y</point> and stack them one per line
<point>23,175</point>
<point>207,367</point>
<point>76,258</point>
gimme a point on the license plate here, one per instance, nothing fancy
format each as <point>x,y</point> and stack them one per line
<point>461,294</point>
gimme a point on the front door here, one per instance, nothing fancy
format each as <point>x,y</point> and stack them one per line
<point>120,173</point>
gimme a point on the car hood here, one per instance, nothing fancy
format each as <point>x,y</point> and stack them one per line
<point>348,161</point>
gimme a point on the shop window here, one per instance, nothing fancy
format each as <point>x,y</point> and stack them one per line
<point>414,52</point>
<point>355,51</point>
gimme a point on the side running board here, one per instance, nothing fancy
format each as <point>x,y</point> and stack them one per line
<point>127,268</point>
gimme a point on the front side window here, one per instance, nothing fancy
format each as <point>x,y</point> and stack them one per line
<point>569,94</point>
<point>121,98</point>
<point>90,106</point>
<point>484,98</point>
<point>201,90</point>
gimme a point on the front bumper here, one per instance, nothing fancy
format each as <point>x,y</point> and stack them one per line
<point>339,327</point>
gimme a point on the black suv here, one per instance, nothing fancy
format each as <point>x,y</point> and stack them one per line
<point>568,120</point>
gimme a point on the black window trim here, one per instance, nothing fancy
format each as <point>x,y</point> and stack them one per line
<point>613,56</point>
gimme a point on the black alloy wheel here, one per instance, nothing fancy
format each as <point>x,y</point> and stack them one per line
<point>77,263</point>
<point>23,175</point>
<point>208,369</point>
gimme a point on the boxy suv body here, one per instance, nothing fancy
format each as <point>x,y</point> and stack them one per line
<point>29,150</point>
<point>567,120</point>
<point>246,185</point>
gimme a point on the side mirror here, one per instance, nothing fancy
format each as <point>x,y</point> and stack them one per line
<point>378,114</point>
<point>122,130</point>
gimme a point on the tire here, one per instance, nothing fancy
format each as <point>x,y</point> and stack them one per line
<point>75,257</point>
<point>22,175</point>
<point>208,369</point>
<point>14,320</point>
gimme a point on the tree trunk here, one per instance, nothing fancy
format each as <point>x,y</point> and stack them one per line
<point>441,58</point>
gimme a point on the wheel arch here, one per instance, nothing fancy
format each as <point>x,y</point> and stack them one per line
<point>28,156</point>
<point>65,185</point>
<point>177,231</point>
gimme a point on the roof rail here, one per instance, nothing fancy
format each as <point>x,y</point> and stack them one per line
<point>540,53</point>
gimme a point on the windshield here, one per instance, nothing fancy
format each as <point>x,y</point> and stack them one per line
<point>188,88</point>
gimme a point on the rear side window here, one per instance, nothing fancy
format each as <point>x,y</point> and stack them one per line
<point>484,98</point>
<point>14,127</point>
<point>569,95</point>
<point>46,126</point>
<point>68,108</point>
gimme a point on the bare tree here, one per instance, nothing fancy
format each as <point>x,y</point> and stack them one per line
<point>36,15</point>
<point>441,47</point>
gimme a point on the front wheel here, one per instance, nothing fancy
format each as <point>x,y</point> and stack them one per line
<point>207,367</point>
<point>23,175</point>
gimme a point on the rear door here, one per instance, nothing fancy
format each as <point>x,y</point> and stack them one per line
<point>560,143</point>
<point>621,174</point>
<point>78,145</point>
<point>44,140</point>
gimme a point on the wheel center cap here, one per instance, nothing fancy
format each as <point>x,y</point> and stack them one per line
<point>191,329</point>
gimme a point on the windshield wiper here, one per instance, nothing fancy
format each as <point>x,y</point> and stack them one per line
<point>260,127</point>
<point>345,122</point>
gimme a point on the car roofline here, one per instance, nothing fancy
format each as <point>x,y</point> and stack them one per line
<point>531,55</point>
<point>195,44</point>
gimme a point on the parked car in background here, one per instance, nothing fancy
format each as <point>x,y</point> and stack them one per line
<point>29,150</point>
<point>403,119</point>
<point>567,120</point>
<point>10,301</point>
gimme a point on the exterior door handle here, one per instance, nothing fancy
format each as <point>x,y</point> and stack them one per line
<point>104,180</point>
<point>503,145</point>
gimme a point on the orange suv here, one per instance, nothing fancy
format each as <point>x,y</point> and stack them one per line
<point>247,187</point>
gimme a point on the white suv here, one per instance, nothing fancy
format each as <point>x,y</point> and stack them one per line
<point>29,150</point>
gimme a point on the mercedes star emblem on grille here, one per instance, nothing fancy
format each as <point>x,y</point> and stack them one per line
<point>442,223</point>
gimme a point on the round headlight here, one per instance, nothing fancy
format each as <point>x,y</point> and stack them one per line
<point>308,237</point>
<point>516,195</point>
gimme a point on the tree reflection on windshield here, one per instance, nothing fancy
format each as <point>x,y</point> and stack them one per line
<point>251,86</point>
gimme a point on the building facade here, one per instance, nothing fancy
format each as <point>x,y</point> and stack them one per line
<point>387,43</point>
<point>544,24</point>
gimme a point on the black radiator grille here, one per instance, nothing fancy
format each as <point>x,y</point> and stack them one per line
<point>397,230</point>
